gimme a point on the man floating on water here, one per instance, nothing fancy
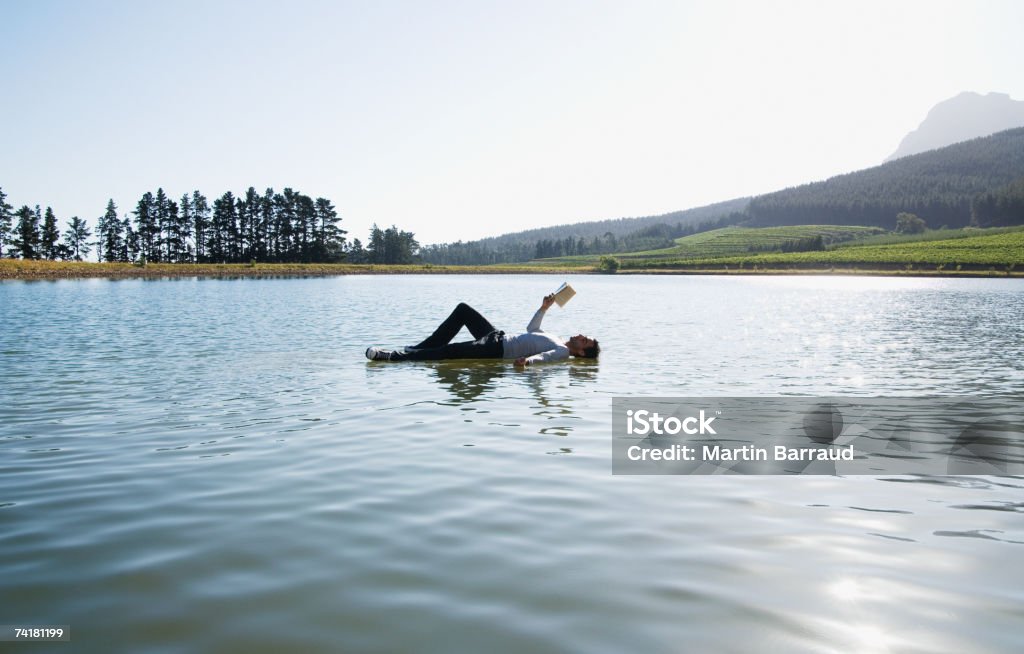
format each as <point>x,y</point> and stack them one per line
<point>534,346</point>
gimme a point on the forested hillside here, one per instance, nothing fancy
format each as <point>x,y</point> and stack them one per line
<point>1001,207</point>
<point>598,237</point>
<point>974,182</point>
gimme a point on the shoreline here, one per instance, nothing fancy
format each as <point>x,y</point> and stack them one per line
<point>19,269</point>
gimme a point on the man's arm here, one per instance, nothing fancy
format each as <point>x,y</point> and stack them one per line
<point>545,304</point>
<point>559,353</point>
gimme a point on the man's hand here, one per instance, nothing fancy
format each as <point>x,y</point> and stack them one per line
<point>521,361</point>
<point>547,301</point>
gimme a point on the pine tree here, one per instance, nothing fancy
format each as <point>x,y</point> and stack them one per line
<point>375,245</point>
<point>201,225</point>
<point>284,214</point>
<point>238,228</point>
<point>330,239</point>
<point>76,239</point>
<point>147,229</point>
<point>267,231</point>
<point>6,222</point>
<point>305,221</point>
<point>186,219</point>
<point>162,216</point>
<point>111,235</point>
<point>250,225</point>
<point>132,248</point>
<point>222,229</point>
<point>175,245</point>
<point>101,233</point>
<point>356,253</point>
<point>50,236</point>
<point>26,241</point>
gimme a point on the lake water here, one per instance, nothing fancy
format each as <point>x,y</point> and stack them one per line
<point>212,465</point>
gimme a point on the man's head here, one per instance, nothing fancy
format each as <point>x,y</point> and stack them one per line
<point>583,346</point>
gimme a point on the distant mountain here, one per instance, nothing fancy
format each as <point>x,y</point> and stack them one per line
<point>975,182</point>
<point>964,117</point>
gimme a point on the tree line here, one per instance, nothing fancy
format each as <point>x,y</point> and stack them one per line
<point>595,237</point>
<point>285,227</point>
<point>652,236</point>
<point>36,235</point>
<point>390,245</point>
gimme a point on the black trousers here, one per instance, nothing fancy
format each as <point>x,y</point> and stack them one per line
<point>488,343</point>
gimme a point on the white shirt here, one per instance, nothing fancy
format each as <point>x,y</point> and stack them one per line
<point>536,345</point>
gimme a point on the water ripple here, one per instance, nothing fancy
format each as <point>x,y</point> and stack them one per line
<point>211,465</point>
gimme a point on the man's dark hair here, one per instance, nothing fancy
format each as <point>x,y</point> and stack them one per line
<point>592,351</point>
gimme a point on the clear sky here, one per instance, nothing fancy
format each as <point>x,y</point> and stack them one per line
<point>475,118</point>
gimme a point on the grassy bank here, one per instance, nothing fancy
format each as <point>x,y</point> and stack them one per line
<point>21,269</point>
<point>43,270</point>
<point>838,270</point>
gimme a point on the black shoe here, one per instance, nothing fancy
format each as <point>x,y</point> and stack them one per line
<point>378,354</point>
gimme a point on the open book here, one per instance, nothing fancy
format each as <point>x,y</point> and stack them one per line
<point>564,294</point>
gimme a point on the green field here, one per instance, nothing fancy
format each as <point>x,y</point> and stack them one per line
<point>1003,249</point>
<point>848,248</point>
<point>893,238</point>
<point>732,241</point>
<point>744,240</point>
